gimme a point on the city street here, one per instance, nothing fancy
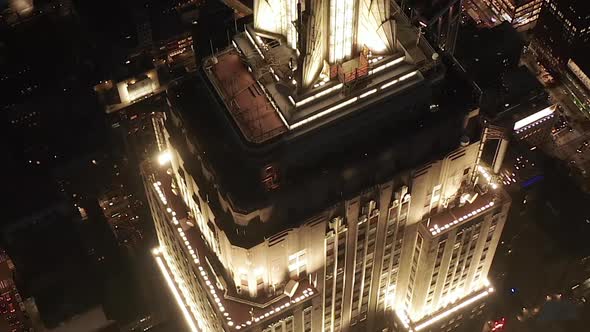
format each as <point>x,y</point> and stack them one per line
<point>570,143</point>
<point>564,91</point>
<point>481,13</point>
<point>577,92</point>
<point>545,234</point>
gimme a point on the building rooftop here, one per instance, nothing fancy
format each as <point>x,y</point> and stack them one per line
<point>263,71</point>
<point>490,57</point>
<point>165,19</point>
<point>254,84</point>
<point>257,140</point>
<point>92,320</point>
<point>248,105</point>
<point>132,67</point>
<point>474,205</point>
<point>485,52</point>
<point>320,167</point>
<point>521,84</point>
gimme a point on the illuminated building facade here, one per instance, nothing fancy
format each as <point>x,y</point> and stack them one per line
<point>420,244</point>
<point>521,13</point>
<point>174,47</point>
<point>535,128</point>
<point>286,199</point>
<point>328,32</point>
<point>136,83</point>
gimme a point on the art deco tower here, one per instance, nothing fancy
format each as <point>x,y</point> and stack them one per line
<point>304,183</point>
<point>327,32</point>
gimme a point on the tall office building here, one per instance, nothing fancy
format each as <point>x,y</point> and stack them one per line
<point>520,13</point>
<point>305,183</point>
<point>564,26</point>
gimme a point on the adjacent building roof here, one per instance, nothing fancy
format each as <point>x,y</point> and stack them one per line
<point>485,53</point>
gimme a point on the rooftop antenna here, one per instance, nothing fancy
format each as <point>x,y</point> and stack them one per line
<point>213,57</point>
<point>419,35</point>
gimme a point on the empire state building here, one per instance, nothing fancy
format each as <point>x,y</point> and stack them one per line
<point>304,182</point>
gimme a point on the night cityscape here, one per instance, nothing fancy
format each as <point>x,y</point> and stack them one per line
<point>295,165</point>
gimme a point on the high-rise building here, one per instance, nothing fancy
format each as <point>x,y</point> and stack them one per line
<point>564,26</point>
<point>521,14</point>
<point>306,183</point>
<point>137,80</point>
<point>535,127</point>
<point>118,207</point>
<point>440,20</point>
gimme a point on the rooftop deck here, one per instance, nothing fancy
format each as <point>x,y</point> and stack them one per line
<point>254,79</point>
<point>245,98</point>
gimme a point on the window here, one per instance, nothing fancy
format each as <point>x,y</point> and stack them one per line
<point>244,280</point>
<point>182,175</point>
<point>297,263</point>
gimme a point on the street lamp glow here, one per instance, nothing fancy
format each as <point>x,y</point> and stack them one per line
<point>164,158</point>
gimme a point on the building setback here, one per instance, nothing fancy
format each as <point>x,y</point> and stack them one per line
<point>304,184</point>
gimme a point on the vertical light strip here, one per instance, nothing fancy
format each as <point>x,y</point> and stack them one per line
<point>341,29</point>
<point>291,25</point>
<point>177,297</point>
<point>332,30</point>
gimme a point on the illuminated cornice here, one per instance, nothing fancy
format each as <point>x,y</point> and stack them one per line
<point>464,302</point>
<point>534,119</point>
<point>205,277</point>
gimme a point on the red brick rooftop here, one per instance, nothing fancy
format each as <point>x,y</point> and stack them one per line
<point>250,108</point>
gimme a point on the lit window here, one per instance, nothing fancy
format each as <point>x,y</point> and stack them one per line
<point>297,262</point>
